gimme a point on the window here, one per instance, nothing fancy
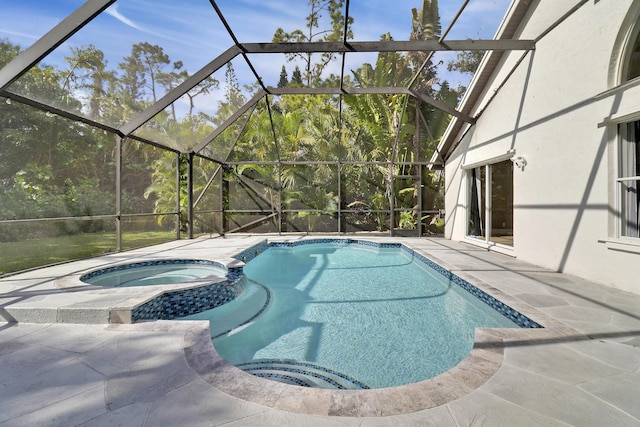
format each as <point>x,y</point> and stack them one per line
<point>633,61</point>
<point>628,159</point>
<point>628,181</point>
<point>476,223</point>
<point>490,214</point>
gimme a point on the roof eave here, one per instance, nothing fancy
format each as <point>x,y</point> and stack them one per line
<point>456,128</point>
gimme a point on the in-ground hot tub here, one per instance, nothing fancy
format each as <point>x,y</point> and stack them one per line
<point>158,289</point>
<point>157,272</point>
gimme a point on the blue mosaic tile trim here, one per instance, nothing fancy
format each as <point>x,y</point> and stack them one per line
<point>334,241</point>
<point>184,302</point>
<point>252,252</point>
<point>252,318</point>
<point>234,274</point>
<point>328,380</point>
<point>150,310</point>
<point>296,368</point>
<point>310,242</point>
<point>188,301</point>
<point>502,308</point>
<point>181,303</point>
<point>175,304</point>
<point>122,267</point>
<point>284,379</point>
<point>512,314</point>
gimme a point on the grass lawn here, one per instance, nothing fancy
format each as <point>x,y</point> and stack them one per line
<point>16,256</point>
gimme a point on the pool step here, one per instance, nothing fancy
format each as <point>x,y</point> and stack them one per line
<point>303,374</point>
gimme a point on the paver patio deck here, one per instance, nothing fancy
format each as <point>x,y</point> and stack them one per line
<point>61,364</point>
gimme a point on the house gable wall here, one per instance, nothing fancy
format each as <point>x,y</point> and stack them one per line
<point>558,110</point>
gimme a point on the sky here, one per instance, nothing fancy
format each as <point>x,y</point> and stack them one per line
<point>192,32</point>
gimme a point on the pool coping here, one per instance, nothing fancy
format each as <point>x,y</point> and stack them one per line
<point>565,382</point>
<point>473,371</point>
<point>476,369</point>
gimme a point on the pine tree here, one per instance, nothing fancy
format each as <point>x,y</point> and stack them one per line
<point>296,77</point>
<point>284,81</point>
<point>317,29</point>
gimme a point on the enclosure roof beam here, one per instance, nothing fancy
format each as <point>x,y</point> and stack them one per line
<point>275,137</point>
<point>80,119</point>
<point>57,111</point>
<point>345,35</point>
<point>390,90</point>
<point>481,80</point>
<point>374,91</point>
<point>180,90</point>
<point>237,43</point>
<point>389,46</point>
<point>235,142</point>
<point>54,38</point>
<point>253,101</point>
<point>441,106</point>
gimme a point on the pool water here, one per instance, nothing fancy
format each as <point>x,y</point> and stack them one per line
<point>150,273</point>
<point>348,316</point>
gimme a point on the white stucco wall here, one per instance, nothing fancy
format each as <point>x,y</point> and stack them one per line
<point>552,111</point>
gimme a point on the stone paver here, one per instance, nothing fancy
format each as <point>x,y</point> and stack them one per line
<point>62,365</point>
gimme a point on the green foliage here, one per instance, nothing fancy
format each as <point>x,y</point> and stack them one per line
<point>51,167</point>
<point>316,29</point>
<point>35,194</point>
<point>284,78</point>
<point>408,220</point>
<point>296,78</point>
<point>425,23</point>
<point>141,70</point>
<point>466,61</point>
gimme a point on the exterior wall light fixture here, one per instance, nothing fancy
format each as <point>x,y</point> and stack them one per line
<point>519,162</point>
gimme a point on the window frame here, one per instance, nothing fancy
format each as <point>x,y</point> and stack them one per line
<point>486,202</point>
<point>628,65</point>
<point>620,84</point>
<point>622,177</point>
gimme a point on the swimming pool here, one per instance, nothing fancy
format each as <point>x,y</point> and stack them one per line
<point>349,314</point>
<point>157,272</point>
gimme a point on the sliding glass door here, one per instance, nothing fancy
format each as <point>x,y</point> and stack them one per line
<point>490,202</point>
<point>477,206</point>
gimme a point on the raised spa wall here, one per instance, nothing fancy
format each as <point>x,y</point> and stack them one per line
<point>179,303</point>
<point>184,302</point>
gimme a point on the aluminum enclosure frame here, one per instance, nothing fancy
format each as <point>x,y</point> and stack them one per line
<point>92,8</point>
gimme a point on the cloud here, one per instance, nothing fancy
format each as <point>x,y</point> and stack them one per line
<point>19,34</point>
<point>113,11</point>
